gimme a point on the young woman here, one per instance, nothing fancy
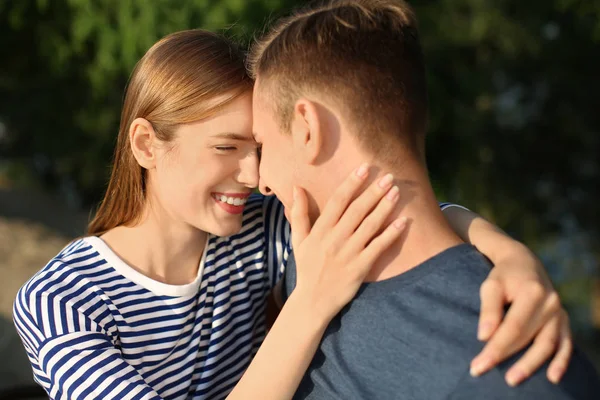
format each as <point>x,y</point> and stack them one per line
<point>165,299</point>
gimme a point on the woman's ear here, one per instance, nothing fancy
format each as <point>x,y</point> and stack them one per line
<point>306,130</point>
<point>142,139</point>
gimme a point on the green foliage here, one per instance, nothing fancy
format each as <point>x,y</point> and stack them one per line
<point>514,130</point>
<point>514,124</point>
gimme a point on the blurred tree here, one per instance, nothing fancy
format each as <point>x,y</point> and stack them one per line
<point>514,120</point>
<point>514,127</point>
<point>65,66</point>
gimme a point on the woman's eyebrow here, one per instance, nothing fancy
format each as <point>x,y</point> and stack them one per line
<point>233,136</point>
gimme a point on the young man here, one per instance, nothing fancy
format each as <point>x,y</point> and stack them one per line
<point>344,82</point>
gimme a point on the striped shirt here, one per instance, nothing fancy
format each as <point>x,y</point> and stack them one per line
<point>95,328</point>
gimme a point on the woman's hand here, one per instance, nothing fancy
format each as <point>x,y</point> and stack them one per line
<point>334,257</point>
<point>535,314</point>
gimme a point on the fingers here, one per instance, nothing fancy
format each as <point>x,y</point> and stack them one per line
<point>541,350</point>
<point>492,308</point>
<point>299,218</point>
<point>559,364</point>
<point>358,211</point>
<point>512,334</point>
<point>532,309</point>
<point>372,223</point>
<point>556,333</point>
<point>339,200</point>
<point>368,256</point>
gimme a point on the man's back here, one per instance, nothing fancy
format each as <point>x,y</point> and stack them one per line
<point>413,336</point>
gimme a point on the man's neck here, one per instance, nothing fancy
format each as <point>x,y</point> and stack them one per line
<point>427,234</point>
<point>157,247</point>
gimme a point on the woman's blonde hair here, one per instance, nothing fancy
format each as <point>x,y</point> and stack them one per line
<point>185,77</point>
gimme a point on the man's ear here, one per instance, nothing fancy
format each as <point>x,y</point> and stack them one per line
<point>142,139</point>
<point>306,130</point>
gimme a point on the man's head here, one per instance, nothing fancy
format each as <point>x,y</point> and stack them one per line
<point>338,81</point>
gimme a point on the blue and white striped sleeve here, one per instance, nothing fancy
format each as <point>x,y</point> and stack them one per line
<point>277,238</point>
<point>72,357</point>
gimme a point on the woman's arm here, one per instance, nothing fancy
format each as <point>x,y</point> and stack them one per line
<point>518,278</point>
<point>84,365</point>
<point>74,365</point>
<point>493,241</point>
<point>332,259</point>
<point>285,354</point>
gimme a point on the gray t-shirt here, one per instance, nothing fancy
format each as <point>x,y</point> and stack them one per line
<point>413,337</point>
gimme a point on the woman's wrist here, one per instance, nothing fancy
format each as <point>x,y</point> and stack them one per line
<point>518,253</point>
<point>305,309</point>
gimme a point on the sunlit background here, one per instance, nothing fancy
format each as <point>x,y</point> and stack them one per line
<point>514,127</point>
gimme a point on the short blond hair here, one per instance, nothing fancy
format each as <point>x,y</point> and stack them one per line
<point>364,53</point>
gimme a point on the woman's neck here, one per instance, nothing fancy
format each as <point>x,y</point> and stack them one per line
<point>162,249</point>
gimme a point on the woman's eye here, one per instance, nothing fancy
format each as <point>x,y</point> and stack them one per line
<point>225,148</point>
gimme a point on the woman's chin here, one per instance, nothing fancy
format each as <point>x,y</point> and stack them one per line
<point>226,229</point>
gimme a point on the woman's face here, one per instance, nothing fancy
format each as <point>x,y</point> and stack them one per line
<point>205,175</point>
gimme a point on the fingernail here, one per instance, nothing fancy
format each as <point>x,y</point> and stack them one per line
<point>361,172</point>
<point>514,377</point>
<point>554,374</point>
<point>400,223</point>
<point>393,194</point>
<point>484,331</point>
<point>295,193</point>
<point>386,181</point>
<point>479,366</point>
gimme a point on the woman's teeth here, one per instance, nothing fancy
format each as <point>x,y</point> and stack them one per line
<point>234,201</point>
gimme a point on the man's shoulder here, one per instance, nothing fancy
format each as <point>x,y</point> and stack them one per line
<point>462,269</point>
<point>462,255</point>
<point>580,382</point>
<point>456,271</point>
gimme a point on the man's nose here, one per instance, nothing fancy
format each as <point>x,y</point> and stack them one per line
<point>264,189</point>
<point>262,185</point>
